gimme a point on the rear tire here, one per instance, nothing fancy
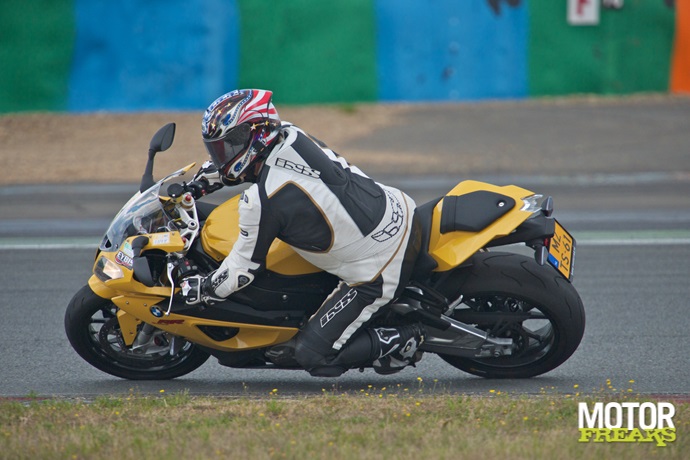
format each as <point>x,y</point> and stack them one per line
<point>513,284</point>
<point>92,329</point>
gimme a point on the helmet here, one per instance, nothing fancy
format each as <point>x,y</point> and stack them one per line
<point>238,128</point>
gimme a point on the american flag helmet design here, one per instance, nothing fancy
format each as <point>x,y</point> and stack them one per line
<point>237,127</point>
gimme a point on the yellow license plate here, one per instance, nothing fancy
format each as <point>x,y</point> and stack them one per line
<point>562,251</point>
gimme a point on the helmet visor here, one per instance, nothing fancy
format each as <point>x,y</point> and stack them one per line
<point>225,150</point>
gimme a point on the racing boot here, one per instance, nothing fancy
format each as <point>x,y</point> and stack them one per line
<point>283,355</point>
<point>397,347</point>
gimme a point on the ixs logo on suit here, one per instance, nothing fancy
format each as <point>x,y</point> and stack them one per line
<point>627,422</point>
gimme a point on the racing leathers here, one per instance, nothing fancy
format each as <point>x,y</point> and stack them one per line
<point>343,222</point>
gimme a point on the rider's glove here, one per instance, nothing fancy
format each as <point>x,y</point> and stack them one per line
<point>206,180</point>
<point>209,172</point>
<point>217,286</point>
<point>198,290</point>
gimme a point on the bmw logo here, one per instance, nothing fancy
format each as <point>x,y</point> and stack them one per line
<point>157,312</point>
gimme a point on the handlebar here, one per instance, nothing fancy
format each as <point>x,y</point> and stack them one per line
<point>197,188</point>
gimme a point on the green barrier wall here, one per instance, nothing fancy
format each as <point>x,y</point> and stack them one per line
<point>629,51</point>
<point>309,51</point>
<point>36,40</point>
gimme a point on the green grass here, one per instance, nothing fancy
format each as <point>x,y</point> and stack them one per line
<point>372,424</point>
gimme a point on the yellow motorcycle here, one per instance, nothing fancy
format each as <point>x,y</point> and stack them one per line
<point>489,313</point>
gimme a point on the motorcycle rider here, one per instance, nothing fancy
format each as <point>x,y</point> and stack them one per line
<point>331,213</point>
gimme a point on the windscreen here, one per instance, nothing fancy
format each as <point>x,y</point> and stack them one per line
<point>142,214</point>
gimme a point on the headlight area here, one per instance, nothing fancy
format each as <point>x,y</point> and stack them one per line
<point>106,270</point>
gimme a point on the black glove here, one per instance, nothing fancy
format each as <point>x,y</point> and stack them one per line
<point>206,180</point>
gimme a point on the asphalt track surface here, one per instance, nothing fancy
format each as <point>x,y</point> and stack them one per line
<point>632,272</point>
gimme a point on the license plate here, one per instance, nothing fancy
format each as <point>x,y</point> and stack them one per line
<point>562,251</point>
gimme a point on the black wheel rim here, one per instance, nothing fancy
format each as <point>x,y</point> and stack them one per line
<point>105,339</point>
<point>533,331</point>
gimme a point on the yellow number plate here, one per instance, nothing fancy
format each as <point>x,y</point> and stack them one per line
<point>562,251</point>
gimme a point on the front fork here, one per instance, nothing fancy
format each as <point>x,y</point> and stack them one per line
<point>145,337</point>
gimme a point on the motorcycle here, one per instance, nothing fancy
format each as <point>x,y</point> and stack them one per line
<point>491,313</point>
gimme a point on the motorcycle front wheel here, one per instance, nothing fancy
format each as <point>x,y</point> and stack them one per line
<point>93,330</point>
<point>511,296</point>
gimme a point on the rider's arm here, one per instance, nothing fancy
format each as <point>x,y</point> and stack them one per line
<point>258,229</point>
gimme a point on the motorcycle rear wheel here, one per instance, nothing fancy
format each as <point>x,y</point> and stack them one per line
<point>92,329</point>
<point>511,284</point>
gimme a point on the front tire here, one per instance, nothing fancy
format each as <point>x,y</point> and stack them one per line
<point>538,308</point>
<point>93,330</point>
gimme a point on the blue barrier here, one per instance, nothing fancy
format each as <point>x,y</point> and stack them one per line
<point>451,49</point>
<point>147,55</point>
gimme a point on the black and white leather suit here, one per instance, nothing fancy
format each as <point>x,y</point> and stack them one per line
<point>339,220</point>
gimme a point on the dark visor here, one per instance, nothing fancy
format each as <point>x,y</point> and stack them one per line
<point>223,151</point>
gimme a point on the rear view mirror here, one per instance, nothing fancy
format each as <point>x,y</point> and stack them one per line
<point>163,139</point>
<point>160,141</point>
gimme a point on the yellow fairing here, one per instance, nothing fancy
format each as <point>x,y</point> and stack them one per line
<point>222,230</point>
<point>128,326</point>
<point>100,289</point>
<point>133,309</point>
<point>453,248</point>
<point>249,335</point>
<point>166,242</point>
<point>136,301</point>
